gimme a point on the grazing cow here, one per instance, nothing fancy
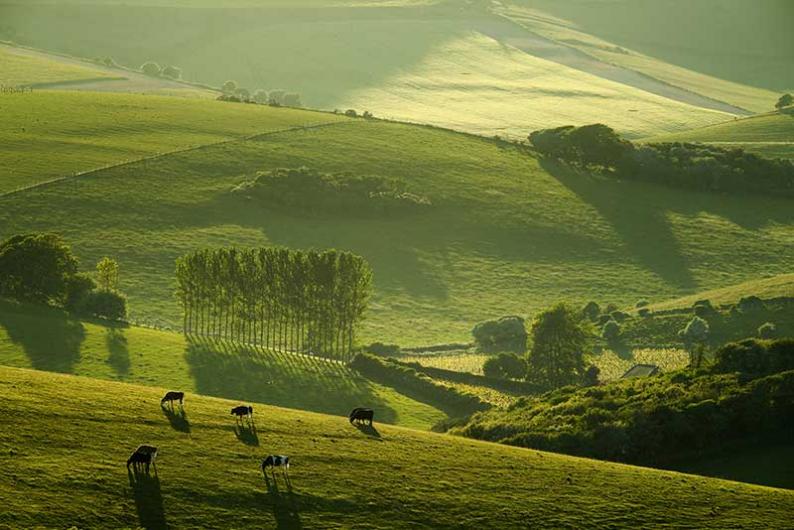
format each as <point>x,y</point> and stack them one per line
<point>274,461</point>
<point>144,455</point>
<point>359,415</point>
<point>172,396</point>
<point>243,410</point>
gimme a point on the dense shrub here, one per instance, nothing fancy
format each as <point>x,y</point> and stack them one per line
<point>229,87</point>
<point>506,334</point>
<point>644,312</point>
<point>109,305</point>
<point>292,99</point>
<point>591,376</point>
<point>384,350</point>
<point>755,357</point>
<point>313,192</point>
<point>684,165</point>
<point>641,304</point>
<point>559,338</point>
<point>261,96</point>
<point>505,366</point>
<point>591,311</point>
<point>611,331</point>
<point>151,68</point>
<point>171,71</point>
<point>351,113</point>
<point>407,380</point>
<point>243,94</point>
<point>647,421</point>
<point>750,304</point>
<point>276,97</point>
<point>77,288</point>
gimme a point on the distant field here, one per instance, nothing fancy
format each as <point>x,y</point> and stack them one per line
<point>506,234</point>
<point>459,362</point>
<point>769,134</point>
<point>65,440</point>
<point>19,69</point>
<point>449,64</point>
<point>48,340</point>
<point>53,134</point>
<point>614,364</point>
<point>776,286</point>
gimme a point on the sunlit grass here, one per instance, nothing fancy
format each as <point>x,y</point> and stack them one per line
<point>613,365</point>
<point>459,362</point>
<point>18,69</point>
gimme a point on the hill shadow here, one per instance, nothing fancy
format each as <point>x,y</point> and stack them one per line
<point>148,500</point>
<point>49,337</point>
<point>119,354</point>
<point>243,372</point>
<point>177,417</point>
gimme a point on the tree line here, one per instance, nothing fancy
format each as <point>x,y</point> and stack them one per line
<point>302,301</point>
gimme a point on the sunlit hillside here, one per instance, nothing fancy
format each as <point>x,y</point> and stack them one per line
<point>65,441</point>
<point>506,233</point>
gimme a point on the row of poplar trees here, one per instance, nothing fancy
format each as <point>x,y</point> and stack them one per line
<point>281,299</point>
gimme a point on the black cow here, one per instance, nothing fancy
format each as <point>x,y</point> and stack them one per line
<point>172,396</point>
<point>359,415</point>
<point>276,461</point>
<point>144,455</point>
<point>243,410</point>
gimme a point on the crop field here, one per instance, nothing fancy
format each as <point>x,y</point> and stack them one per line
<point>770,135</point>
<point>48,340</point>
<point>441,63</point>
<point>65,441</point>
<point>505,230</point>
<point>47,135</point>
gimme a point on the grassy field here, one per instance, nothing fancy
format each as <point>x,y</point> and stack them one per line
<point>48,340</point>
<point>65,440</point>
<point>506,234</point>
<point>614,364</point>
<point>448,64</point>
<point>774,287</point>
<point>770,135</point>
<point>47,135</point>
<point>749,43</point>
<point>18,69</point>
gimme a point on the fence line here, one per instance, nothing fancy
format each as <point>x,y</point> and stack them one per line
<point>162,155</point>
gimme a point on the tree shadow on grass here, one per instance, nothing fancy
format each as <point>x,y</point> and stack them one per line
<point>177,417</point>
<point>119,357</point>
<point>148,500</point>
<point>49,337</point>
<point>233,371</point>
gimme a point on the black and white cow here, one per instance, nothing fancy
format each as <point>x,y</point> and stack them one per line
<point>144,455</point>
<point>361,415</point>
<point>243,410</point>
<point>171,396</point>
<point>276,461</point>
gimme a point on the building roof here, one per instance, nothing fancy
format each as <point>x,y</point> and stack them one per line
<point>641,370</point>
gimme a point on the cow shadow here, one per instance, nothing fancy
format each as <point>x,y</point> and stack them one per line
<point>177,417</point>
<point>368,430</point>
<point>148,499</point>
<point>246,433</point>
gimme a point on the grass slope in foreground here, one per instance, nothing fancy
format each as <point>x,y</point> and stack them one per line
<point>65,441</point>
<point>50,134</point>
<point>506,233</point>
<point>770,135</point>
<point>47,339</point>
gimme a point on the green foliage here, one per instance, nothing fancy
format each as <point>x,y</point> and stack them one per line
<point>384,350</point>
<point>193,488</point>
<point>611,331</point>
<point>750,304</point>
<point>229,87</point>
<point>314,192</point>
<point>276,97</point>
<point>696,331</point>
<point>292,99</point>
<point>172,72</point>
<point>641,303</point>
<point>417,385</point>
<point>261,96</point>
<point>767,330</point>
<point>107,273</point>
<point>311,302</point>
<point>77,288</point>
<point>646,421</point>
<point>505,366</point>
<point>109,305</point>
<point>786,100</point>
<point>151,68</point>
<point>590,145</point>
<point>755,357</point>
<point>559,338</point>
<point>591,311</point>
<point>243,93</point>
<point>36,268</point>
<point>506,334</point>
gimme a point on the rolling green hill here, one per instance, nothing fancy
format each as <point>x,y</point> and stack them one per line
<point>47,339</point>
<point>65,440</point>
<point>19,68</point>
<point>451,64</point>
<point>506,234</point>
<point>770,135</point>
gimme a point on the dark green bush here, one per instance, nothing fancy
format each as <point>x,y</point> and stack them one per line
<point>505,366</point>
<point>751,304</point>
<point>151,68</point>
<point>767,330</point>
<point>611,331</point>
<point>384,350</point>
<point>171,71</point>
<point>591,311</point>
<point>109,305</point>
<point>507,334</point>
<point>755,357</point>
